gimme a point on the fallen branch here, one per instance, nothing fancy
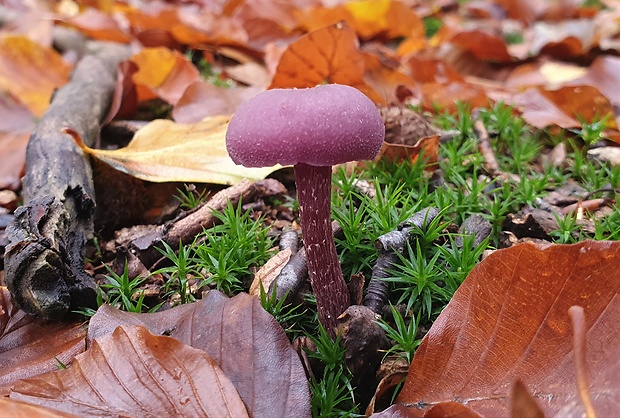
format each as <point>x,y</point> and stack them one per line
<point>144,240</point>
<point>44,261</point>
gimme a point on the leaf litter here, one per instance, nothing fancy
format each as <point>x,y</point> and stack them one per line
<point>503,344</point>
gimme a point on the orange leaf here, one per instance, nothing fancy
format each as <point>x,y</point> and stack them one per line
<point>483,45</point>
<point>384,80</point>
<point>165,73</point>
<point>29,72</point>
<point>509,320</point>
<point>328,55</point>
<point>564,106</point>
<point>368,18</point>
<point>99,25</point>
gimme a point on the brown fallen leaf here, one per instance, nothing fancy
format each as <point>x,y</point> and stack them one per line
<point>15,409</point>
<point>163,73</point>
<point>243,339</point>
<point>99,25</point>
<point>30,72</point>
<point>132,372</point>
<point>472,353</point>
<point>564,106</point>
<point>327,55</point>
<point>30,346</point>
<point>164,151</point>
<point>202,99</point>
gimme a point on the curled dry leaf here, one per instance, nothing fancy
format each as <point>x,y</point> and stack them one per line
<point>164,151</point>
<point>163,73</point>
<point>132,372</point>
<point>31,346</point>
<point>472,353</point>
<point>244,340</point>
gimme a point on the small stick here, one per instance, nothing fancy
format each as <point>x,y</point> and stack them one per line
<point>484,143</point>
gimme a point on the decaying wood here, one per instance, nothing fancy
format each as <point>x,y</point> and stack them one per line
<point>44,261</point>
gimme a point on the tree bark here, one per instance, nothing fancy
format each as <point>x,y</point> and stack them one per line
<point>44,261</point>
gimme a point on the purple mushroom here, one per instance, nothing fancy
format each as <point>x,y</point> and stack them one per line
<point>311,129</point>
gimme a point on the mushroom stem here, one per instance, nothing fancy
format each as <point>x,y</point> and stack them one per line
<point>314,195</point>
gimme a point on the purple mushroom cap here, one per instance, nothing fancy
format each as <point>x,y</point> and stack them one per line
<point>321,126</point>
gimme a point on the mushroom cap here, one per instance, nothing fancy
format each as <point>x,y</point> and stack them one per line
<point>322,126</point>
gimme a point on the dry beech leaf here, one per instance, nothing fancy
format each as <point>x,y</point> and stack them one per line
<point>483,45</point>
<point>13,157</point>
<point>442,410</point>
<point>368,18</point>
<point>327,55</point>
<point>472,353</point>
<point>10,408</point>
<point>98,25</point>
<point>132,372</point>
<point>269,272</point>
<point>163,73</point>
<point>30,346</point>
<point>30,72</point>
<point>563,107</point>
<point>428,146</point>
<point>244,340</point>
<point>202,99</point>
<point>165,151</point>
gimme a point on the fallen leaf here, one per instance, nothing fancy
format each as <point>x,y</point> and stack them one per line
<point>269,272</point>
<point>13,156</point>
<point>445,96</point>
<point>15,126</point>
<point>472,353</point>
<point>165,151</point>
<point>133,372</point>
<point>30,346</point>
<point>429,147</point>
<point>30,72</point>
<point>202,99</point>
<point>563,107</point>
<point>384,80</point>
<point>325,56</point>
<point>483,45</point>
<point>99,25</point>
<point>368,18</point>
<point>15,409</point>
<point>244,340</point>
<point>164,73</point>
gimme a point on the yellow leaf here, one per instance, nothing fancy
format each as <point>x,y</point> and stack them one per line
<point>163,72</point>
<point>154,66</point>
<point>30,72</point>
<point>369,11</point>
<point>165,151</point>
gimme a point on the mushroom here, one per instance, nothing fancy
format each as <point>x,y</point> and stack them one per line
<point>311,129</point>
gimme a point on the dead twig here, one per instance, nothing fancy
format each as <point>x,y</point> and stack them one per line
<point>44,259</point>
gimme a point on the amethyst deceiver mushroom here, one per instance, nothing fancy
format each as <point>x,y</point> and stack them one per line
<point>311,129</point>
